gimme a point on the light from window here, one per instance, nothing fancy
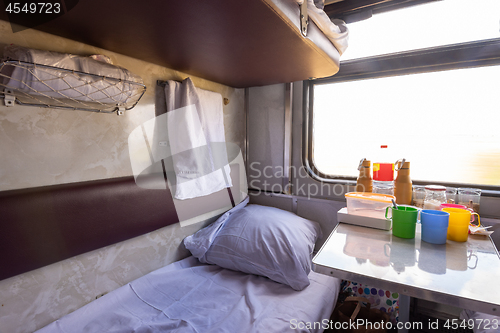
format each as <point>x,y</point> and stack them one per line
<point>447,124</point>
<point>429,25</point>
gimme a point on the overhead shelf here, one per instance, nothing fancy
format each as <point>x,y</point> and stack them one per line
<point>236,43</point>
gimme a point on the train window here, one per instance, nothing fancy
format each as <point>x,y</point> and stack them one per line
<point>445,123</point>
<point>437,107</point>
<point>422,26</point>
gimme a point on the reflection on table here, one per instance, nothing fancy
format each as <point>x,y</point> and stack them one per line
<point>387,250</point>
<point>447,273</point>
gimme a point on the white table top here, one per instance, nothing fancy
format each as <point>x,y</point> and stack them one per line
<point>466,275</point>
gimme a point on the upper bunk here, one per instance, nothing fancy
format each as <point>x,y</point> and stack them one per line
<point>236,43</point>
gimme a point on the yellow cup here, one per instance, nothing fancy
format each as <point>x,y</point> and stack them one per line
<point>458,225</point>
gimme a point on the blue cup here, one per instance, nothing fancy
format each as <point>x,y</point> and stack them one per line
<point>434,226</point>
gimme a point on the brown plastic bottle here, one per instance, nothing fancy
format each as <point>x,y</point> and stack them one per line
<point>364,182</point>
<point>402,184</point>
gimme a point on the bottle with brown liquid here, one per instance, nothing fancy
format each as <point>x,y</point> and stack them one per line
<point>402,184</point>
<point>364,182</point>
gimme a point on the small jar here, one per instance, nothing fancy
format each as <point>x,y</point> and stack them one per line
<point>435,195</point>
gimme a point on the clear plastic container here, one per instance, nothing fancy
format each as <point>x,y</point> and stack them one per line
<point>435,195</point>
<point>470,197</point>
<point>418,196</point>
<point>451,195</point>
<point>368,204</point>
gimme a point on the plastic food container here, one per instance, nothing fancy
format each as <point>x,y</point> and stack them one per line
<point>469,197</point>
<point>435,195</point>
<point>368,204</point>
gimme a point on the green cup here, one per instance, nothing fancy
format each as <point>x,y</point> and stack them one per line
<point>404,221</point>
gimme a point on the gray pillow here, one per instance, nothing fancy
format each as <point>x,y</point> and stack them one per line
<point>259,240</point>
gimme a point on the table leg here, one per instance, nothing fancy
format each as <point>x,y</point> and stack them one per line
<point>404,312</point>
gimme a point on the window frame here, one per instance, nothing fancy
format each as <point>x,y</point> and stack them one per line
<point>442,58</point>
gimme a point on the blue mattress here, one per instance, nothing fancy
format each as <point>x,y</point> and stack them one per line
<point>188,296</point>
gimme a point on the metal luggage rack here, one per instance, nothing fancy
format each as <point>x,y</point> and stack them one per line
<point>53,87</point>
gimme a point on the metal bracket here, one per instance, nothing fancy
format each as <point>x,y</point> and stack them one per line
<point>294,205</point>
<point>8,97</point>
<point>120,111</point>
<point>304,18</point>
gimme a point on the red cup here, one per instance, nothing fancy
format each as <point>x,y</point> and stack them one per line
<point>450,205</point>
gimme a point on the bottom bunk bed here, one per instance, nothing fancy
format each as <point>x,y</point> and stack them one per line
<point>188,296</point>
<point>250,272</point>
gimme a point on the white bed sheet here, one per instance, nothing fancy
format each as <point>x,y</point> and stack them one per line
<point>188,296</point>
